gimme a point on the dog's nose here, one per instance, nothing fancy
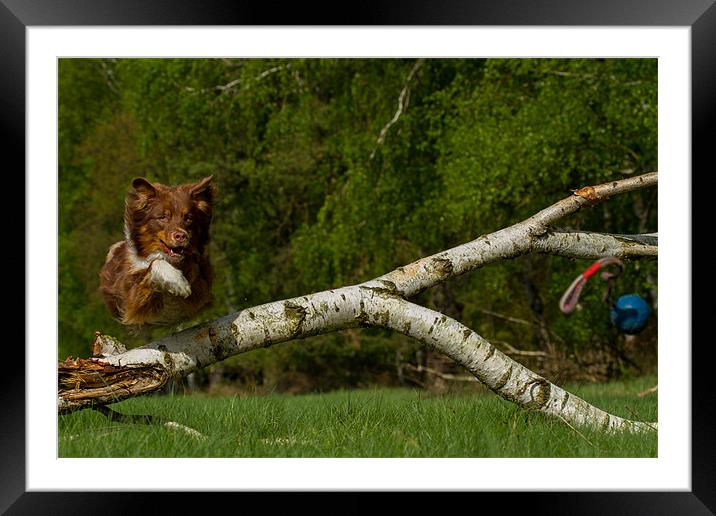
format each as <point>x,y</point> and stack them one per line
<point>179,237</point>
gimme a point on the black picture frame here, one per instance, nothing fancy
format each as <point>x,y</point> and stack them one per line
<point>17,15</point>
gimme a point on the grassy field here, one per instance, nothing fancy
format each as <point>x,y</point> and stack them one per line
<point>359,423</point>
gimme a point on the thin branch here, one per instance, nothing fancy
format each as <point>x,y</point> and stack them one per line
<point>572,74</point>
<point>522,322</point>
<point>445,376</point>
<point>650,390</point>
<point>402,103</point>
<point>635,415</point>
<point>268,72</point>
<point>504,317</point>
<point>511,350</point>
<point>113,415</point>
<point>576,431</point>
<point>231,85</point>
<point>591,195</point>
<point>230,63</point>
<point>590,77</point>
<point>109,78</point>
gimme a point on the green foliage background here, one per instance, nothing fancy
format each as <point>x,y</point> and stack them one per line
<point>308,199</point>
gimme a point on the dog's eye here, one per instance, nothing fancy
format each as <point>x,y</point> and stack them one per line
<point>164,217</point>
<point>188,219</point>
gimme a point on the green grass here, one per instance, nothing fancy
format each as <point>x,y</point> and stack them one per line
<point>360,423</point>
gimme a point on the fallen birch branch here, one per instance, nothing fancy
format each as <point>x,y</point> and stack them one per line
<point>381,302</point>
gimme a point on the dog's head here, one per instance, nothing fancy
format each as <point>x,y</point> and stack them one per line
<point>171,220</point>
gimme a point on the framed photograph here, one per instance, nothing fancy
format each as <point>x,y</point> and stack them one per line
<point>38,36</point>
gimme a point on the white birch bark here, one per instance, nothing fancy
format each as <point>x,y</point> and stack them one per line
<point>380,302</point>
<point>496,370</point>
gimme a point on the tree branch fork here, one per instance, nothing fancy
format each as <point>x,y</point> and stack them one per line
<point>115,374</point>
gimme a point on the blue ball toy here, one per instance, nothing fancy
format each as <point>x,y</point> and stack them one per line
<point>630,314</point>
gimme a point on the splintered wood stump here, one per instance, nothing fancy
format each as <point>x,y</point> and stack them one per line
<point>83,382</point>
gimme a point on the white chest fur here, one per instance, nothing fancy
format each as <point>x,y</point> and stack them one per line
<point>162,274</point>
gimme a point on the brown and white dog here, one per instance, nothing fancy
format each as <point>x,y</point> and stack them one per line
<point>160,273</point>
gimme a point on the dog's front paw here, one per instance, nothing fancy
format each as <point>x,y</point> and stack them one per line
<point>167,277</point>
<point>181,288</point>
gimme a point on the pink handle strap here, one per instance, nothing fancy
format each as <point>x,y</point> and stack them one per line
<point>569,299</point>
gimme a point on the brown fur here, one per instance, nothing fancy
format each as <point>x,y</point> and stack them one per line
<point>161,223</point>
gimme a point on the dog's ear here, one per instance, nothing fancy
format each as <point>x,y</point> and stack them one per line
<point>143,187</point>
<point>202,189</point>
<point>202,193</point>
